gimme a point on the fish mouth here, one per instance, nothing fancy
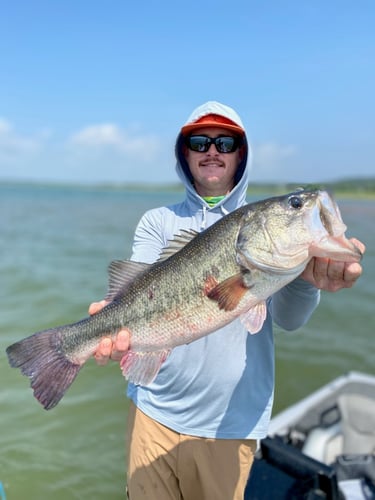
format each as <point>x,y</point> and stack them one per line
<point>335,244</point>
<point>336,248</point>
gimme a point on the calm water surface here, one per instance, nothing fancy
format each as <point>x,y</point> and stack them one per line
<point>56,244</point>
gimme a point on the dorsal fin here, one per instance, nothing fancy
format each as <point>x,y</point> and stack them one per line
<point>121,273</point>
<point>178,242</point>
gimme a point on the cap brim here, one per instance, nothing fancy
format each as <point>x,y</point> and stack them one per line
<point>188,129</point>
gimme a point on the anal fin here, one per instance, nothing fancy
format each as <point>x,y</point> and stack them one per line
<point>141,367</point>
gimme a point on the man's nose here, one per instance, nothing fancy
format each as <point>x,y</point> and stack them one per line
<point>212,149</point>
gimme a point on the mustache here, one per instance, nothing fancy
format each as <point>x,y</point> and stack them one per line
<point>211,161</point>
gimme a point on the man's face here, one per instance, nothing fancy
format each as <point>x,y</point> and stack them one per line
<point>213,172</point>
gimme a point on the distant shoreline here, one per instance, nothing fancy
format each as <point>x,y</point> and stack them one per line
<point>346,188</point>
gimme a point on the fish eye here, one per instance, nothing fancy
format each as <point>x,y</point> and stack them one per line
<point>295,202</point>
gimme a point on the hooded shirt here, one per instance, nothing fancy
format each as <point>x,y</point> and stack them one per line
<point>222,385</point>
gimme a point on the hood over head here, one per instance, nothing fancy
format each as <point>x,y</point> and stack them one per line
<point>215,114</point>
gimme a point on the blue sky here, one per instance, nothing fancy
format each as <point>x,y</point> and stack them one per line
<point>94,91</point>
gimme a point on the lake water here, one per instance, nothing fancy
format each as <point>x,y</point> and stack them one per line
<point>56,243</point>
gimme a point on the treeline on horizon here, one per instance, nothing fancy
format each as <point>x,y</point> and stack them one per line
<point>356,187</point>
<point>345,187</point>
<point>360,187</point>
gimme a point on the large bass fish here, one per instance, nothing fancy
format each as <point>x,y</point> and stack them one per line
<point>200,283</point>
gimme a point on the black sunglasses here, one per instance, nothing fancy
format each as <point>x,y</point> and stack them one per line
<point>223,144</point>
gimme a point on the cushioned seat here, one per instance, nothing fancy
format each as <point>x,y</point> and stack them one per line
<point>358,423</point>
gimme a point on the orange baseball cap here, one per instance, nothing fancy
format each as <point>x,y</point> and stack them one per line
<point>212,120</point>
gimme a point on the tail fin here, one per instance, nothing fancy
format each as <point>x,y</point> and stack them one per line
<point>41,358</point>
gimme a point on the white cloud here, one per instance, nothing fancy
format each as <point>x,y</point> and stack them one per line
<point>108,136</point>
<point>270,154</point>
<point>95,135</point>
<point>98,152</point>
<point>13,146</point>
<point>108,152</point>
<point>5,126</point>
<point>273,161</point>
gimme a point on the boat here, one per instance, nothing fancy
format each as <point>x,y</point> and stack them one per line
<point>322,447</point>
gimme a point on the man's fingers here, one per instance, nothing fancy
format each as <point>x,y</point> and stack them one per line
<point>120,346</point>
<point>320,271</point>
<point>361,246</point>
<point>331,275</point>
<point>103,352</point>
<point>335,270</point>
<point>122,341</point>
<point>95,307</point>
<point>115,350</point>
<point>352,272</point>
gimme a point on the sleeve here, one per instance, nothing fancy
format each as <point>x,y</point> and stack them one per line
<point>149,237</point>
<point>293,305</point>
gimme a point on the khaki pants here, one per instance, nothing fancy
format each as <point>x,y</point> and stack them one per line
<point>166,465</point>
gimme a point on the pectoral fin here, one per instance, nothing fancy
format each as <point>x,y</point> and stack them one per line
<point>229,292</point>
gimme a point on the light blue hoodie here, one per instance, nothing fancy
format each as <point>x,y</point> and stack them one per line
<point>222,385</point>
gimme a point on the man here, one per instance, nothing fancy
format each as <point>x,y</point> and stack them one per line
<point>192,433</point>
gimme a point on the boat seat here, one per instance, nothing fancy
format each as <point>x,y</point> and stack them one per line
<point>354,434</point>
<point>358,423</point>
<point>324,443</point>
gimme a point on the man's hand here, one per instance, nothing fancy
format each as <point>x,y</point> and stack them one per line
<point>332,275</point>
<point>107,349</point>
